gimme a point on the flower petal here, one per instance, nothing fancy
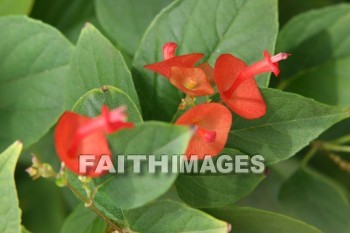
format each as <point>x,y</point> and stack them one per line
<point>95,143</point>
<point>208,70</point>
<point>246,100</point>
<point>169,50</point>
<point>211,117</point>
<point>164,67</point>
<point>180,77</point>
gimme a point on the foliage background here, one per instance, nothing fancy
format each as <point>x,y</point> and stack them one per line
<point>319,39</point>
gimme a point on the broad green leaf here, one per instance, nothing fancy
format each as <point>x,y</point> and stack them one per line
<point>67,16</point>
<point>33,67</point>
<point>151,138</point>
<point>101,203</point>
<point>243,28</point>
<point>10,213</point>
<point>320,48</point>
<point>172,217</point>
<point>90,104</point>
<point>96,63</point>
<point>212,190</point>
<point>265,196</point>
<point>316,200</point>
<point>83,220</point>
<point>250,220</point>
<point>290,123</point>
<point>18,7</point>
<point>126,20</point>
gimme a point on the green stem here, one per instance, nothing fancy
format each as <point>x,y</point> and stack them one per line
<point>310,154</point>
<point>93,208</point>
<point>175,116</point>
<point>336,148</point>
<point>341,140</point>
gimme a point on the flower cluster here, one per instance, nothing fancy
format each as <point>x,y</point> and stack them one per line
<point>78,135</point>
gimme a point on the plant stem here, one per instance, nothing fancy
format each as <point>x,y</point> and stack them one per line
<point>336,148</point>
<point>175,115</point>
<point>314,148</point>
<point>93,208</point>
<point>341,140</point>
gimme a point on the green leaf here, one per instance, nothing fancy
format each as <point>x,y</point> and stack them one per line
<point>33,68</point>
<point>172,217</point>
<point>265,196</point>
<point>101,203</point>
<point>126,20</point>
<point>67,16</point>
<point>243,28</point>
<point>91,103</point>
<point>290,8</point>
<point>83,220</point>
<point>96,63</point>
<point>18,7</point>
<point>10,213</point>
<point>212,190</point>
<point>290,123</point>
<point>249,220</point>
<point>319,65</point>
<point>151,138</point>
<point>307,193</point>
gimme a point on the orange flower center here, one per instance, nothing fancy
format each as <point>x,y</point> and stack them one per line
<point>191,82</point>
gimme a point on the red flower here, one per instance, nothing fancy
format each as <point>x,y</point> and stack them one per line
<point>181,72</point>
<point>236,84</point>
<point>77,135</point>
<point>212,122</point>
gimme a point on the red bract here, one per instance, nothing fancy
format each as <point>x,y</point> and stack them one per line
<point>212,123</point>
<point>77,135</point>
<point>181,72</point>
<point>237,86</point>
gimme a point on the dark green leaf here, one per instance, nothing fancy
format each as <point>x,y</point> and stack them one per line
<point>290,8</point>
<point>33,67</point>
<point>10,214</point>
<point>66,15</point>
<point>244,28</point>
<point>316,200</point>
<point>151,138</point>
<point>249,220</point>
<point>319,65</point>
<point>83,220</point>
<point>265,196</point>
<point>172,217</point>
<point>18,7</point>
<point>126,20</point>
<point>90,104</point>
<point>96,63</point>
<point>212,190</point>
<point>291,122</point>
<point>102,204</point>
<point>42,203</point>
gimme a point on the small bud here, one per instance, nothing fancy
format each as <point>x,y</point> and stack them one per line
<point>33,172</point>
<point>46,171</point>
<point>61,181</point>
<point>39,169</point>
<point>84,179</point>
